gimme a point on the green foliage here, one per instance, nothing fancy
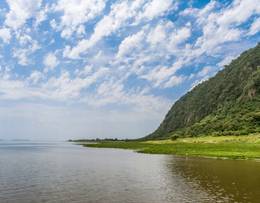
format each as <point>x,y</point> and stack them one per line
<point>239,119</point>
<point>227,104</point>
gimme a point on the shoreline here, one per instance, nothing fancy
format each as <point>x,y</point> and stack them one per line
<point>222,147</point>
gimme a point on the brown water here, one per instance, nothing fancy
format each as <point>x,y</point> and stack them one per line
<point>63,172</point>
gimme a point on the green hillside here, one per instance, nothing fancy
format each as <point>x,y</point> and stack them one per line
<point>226,104</point>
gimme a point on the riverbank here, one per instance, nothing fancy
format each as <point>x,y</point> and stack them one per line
<point>234,147</point>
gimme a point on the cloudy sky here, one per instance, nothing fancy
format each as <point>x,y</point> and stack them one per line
<point>110,68</point>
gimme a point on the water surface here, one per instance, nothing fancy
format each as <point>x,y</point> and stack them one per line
<point>64,172</point>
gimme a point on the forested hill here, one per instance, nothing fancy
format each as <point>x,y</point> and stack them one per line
<point>226,104</point>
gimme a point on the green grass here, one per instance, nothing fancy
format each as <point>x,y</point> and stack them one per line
<point>235,147</point>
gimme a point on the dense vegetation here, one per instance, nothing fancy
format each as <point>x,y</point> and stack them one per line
<point>226,104</point>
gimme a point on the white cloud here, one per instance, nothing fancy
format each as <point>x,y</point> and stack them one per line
<point>155,8</point>
<point>27,47</point>
<point>113,92</point>
<point>12,89</point>
<point>152,45</point>
<point>204,71</point>
<point>167,36</point>
<point>255,27</point>
<point>158,75</point>
<point>157,35</point>
<point>54,24</point>
<point>202,14</point>
<point>220,25</point>
<point>22,56</point>
<point>5,34</point>
<point>130,43</point>
<point>85,71</point>
<point>122,13</point>
<point>179,36</point>
<point>50,61</point>
<point>60,88</point>
<point>64,87</point>
<point>75,14</point>
<point>35,77</point>
<point>164,76</point>
<point>239,12</point>
<point>41,15</point>
<point>214,35</point>
<point>119,14</point>
<point>226,61</point>
<point>174,81</point>
<point>20,11</point>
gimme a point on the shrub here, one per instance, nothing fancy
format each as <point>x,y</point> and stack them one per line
<point>174,137</point>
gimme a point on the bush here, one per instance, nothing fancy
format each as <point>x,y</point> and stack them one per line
<point>174,137</point>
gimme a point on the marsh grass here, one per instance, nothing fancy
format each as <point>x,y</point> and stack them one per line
<point>235,147</point>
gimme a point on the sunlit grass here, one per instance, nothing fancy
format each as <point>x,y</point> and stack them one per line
<point>236,147</point>
<point>211,139</point>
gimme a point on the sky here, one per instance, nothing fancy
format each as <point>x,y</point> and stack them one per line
<point>111,68</point>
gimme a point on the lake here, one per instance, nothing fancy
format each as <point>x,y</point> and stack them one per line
<point>65,172</point>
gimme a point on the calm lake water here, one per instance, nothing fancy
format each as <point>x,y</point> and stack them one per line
<point>64,172</point>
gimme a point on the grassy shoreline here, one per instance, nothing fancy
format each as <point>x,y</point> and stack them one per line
<point>233,147</point>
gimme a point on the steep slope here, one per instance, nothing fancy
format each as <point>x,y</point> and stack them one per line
<point>228,103</point>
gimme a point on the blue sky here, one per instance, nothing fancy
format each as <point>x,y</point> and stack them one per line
<point>104,68</point>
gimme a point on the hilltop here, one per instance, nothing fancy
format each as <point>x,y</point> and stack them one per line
<point>226,104</point>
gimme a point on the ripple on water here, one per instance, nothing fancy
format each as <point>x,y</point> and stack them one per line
<point>63,172</point>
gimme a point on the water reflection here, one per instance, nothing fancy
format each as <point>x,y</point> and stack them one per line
<point>62,172</point>
<point>222,180</point>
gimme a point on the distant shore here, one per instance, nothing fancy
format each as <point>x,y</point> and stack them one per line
<point>233,147</point>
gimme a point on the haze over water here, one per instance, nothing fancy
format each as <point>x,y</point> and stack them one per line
<point>65,172</point>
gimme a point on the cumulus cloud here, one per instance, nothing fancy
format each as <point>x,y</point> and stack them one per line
<point>27,46</point>
<point>50,61</point>
<point>20,11</point>
<point>130,43</point>
<point>155,8</point>
<point>41,15</point>
<point>113,92</point>
<point>35,77</point>
<point>226,61</point>
<point>238,12</point>
<point>164,76</point>
<point>255,27</point>
<point>61,88</point>
<point>75,14</point>
<point>157,35</point>
<point>150,45</point>
<point>154,50</point>
<point>120,15</point>
<point>21,56</point>
<point>66,87</point>
<point>173,81</point>
<point>220,26</point>
<point>5,34</point>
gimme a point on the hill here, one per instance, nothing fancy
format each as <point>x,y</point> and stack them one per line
<point>226,104</point>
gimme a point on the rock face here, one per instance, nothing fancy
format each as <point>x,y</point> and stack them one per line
<point>226,104</point>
